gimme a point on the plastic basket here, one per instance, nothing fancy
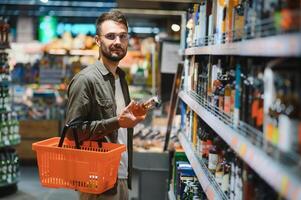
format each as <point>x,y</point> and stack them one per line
<point>90,169</point>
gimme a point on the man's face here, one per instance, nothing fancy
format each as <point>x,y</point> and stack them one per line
<point>113,40</point>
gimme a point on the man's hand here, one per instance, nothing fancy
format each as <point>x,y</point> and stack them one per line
<point>131,115</point>
<point>138,109</point>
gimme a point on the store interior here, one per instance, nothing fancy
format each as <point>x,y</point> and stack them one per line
<point>227,74</point>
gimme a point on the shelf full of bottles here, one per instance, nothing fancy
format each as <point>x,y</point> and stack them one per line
<point>282,178</point>
<point>9,124</point>
<point>221,166</point>
<point>244,95</point>
<point>244,27</point>
<point>280,45</point>
<point>207,181</point>
<point>254,106</point>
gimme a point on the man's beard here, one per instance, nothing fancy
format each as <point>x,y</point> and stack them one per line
<point>106,52</point>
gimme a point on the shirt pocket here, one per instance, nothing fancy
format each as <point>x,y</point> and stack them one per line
<point>105,108</point>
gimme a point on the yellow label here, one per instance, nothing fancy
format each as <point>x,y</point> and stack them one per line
<point>275,137</point>
<point>243,149</point>
<point>284,185</point>
<point>269,132</point>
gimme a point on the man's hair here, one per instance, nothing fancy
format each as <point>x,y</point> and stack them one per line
<point>114,15</point>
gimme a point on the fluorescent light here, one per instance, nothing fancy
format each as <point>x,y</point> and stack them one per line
<point>147,30</point>
<point>44,1</point>
<point>175,27</point>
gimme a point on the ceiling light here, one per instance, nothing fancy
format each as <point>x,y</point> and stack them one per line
<point>175,27</point>
<point>44,1</point>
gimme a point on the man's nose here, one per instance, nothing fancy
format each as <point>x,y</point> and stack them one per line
<point>117,40</point>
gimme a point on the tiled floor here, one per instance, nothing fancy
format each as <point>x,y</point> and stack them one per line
<point>29,188</point>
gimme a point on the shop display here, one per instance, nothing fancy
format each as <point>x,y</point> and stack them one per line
<point>9,165</point>
<point>240,103</point>
<point>9,125</point>
<point>234,177</point>
<point>216,22</point>
<point>148,138</point>
<point>185,184</point>
<point>245,90</point>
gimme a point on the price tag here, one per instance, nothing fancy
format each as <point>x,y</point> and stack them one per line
<point>251,155</point>
<point>210,193</point>
<point>296,194</point>
<point>234,142</point>
<point>243,149</point>
<point>284,185</point>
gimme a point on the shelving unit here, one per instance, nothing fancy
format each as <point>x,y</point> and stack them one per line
<point>9,126</point>
<point>280,45</point>
<point>282,178</point>
<point>222,48</point>
<point>206,180</point>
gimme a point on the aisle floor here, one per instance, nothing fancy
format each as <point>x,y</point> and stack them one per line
<point>29,188</point>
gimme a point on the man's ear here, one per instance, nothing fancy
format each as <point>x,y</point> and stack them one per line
<point>97,40</point>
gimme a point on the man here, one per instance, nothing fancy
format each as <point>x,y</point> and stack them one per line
<point>99,94</point>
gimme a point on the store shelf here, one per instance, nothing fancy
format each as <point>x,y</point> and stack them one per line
<point>74,52</point>
<point>8,143</point>
<point>207,181</point>
<point>9,184</point>
<point>281,45</point>
<point>284,179</point>
<point>79,52</point>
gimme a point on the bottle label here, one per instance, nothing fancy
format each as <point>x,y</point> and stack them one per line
<point>255,106</point>
<point>208,147</point>
<point>259,120</point>
<point>269,131</point>
<point>219,178</point>
<point>225,183</point>
<point>227,104</point>
<point>288,131</point>
<point>275,136</point>
<point>232,101</point>
<point>221,102</point>
<point>213,159</point>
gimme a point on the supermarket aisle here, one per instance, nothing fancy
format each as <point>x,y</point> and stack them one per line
<point>29,188</point>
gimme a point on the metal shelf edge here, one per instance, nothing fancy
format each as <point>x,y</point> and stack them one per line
<point>171,194</point>
<point>11,144</point>
<point>209,189</point>
<point>8,184</point>
<point>280,45</point>
<point>274,173</point>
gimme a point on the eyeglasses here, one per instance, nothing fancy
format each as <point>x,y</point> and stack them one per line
<point>113,36</point>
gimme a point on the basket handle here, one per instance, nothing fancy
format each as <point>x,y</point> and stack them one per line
<point>73,125</point>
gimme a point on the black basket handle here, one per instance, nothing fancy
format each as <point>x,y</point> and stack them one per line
<point>73,125</point>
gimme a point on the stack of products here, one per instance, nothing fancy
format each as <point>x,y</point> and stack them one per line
<point>9,166</point>
<point>254,93</point>
<point>235,178</point>
<point>215,22</point>
<point>9,127</point>
<point>185,184</point>
<point>148,138</point>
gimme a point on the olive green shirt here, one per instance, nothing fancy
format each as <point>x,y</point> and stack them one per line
<point>91,97</point>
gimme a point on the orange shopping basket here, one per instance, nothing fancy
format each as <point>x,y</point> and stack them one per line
<point>87,168</point>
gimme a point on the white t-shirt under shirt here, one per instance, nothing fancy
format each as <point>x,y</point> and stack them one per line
<point>122,132</point>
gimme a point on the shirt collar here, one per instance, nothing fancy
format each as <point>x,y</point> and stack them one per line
<point>104,71</point>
